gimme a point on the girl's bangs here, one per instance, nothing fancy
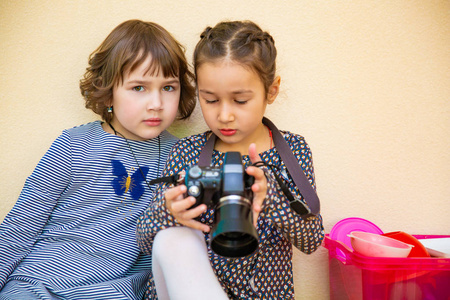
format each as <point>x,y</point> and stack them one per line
<point>163,61</point>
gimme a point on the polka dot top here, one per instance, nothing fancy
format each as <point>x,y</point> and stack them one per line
<point>267,273</point>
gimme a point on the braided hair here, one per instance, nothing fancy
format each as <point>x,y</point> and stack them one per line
<point>243,42</point>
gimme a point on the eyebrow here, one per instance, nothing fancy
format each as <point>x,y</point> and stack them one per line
<point>172,81</point>
<point>142,82</point>
<point>238,92</point>
<point>242,92</point>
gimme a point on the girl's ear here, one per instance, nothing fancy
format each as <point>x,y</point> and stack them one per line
<point>274,89</point>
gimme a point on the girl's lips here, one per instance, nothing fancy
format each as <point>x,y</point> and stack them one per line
<point>227,132</point>
<point>153,122</point>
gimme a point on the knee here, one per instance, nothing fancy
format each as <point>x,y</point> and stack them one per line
<point>177,241</point>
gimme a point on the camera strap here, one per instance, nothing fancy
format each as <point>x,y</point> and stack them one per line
<point>312,206</point>
<point>170,179</point>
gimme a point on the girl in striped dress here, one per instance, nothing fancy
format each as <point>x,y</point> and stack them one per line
<point>235,73</point>
<point>71,234</point>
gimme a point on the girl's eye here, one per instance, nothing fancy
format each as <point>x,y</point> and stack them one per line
<point>210,101</point>
<point>138,88</point>
<point>241,101</point>
<point>168,88</point>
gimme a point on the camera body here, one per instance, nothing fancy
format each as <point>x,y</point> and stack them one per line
<point>226,189</point>
<point>203,183</point>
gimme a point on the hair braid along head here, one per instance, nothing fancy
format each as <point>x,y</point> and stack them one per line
<point>242,42</point>
<point>206,33</point>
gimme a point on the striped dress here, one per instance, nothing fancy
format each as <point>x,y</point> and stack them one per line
<point>71,234</point>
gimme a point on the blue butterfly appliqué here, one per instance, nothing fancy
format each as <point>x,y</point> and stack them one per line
<point>126,182</point>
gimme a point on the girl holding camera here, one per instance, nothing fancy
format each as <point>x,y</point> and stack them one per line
<point>235,73</point>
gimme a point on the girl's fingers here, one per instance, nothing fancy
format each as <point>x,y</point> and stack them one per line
<point>257,173</point>
<point>179,207</point>
<point>253,154</point>
<point>190,213</point>
<point>257,207</point>
<point>174,193</point>
<point>196,225</point>
<point>259,194</point>
<point>255,219</point>
<point>187,217</point>
<point>259,188</point>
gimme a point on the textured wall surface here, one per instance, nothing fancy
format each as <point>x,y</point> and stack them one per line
<point>366,82</point>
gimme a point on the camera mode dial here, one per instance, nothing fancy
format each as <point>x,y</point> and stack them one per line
<point>195,172</point>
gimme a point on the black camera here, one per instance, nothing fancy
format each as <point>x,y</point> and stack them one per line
<point>227,189</point>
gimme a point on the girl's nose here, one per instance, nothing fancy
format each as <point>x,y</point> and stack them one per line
<point>226,114</point>
<point>154,101</point>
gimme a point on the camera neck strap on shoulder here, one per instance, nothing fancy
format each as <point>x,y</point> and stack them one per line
<point>312,206</point>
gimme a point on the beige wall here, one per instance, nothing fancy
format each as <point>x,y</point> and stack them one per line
<point>366,82</point>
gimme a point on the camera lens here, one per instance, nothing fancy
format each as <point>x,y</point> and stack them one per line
<point>233,234</point>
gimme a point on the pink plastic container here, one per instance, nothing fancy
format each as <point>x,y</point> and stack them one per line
<point>358,277</point>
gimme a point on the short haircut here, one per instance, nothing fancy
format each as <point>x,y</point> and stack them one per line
<point>126,48</point>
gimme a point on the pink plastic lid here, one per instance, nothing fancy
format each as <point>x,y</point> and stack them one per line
<point>344,227</point>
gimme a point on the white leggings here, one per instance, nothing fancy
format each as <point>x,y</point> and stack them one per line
<point>181,267</point>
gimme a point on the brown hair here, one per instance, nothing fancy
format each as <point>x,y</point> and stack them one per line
<point>124,49</point>
<point>240,41</point>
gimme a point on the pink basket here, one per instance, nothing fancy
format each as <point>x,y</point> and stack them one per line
<point>354,276</point>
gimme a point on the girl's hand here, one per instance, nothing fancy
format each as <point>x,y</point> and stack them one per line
<point>259,188</point>
<point>179,208</point>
